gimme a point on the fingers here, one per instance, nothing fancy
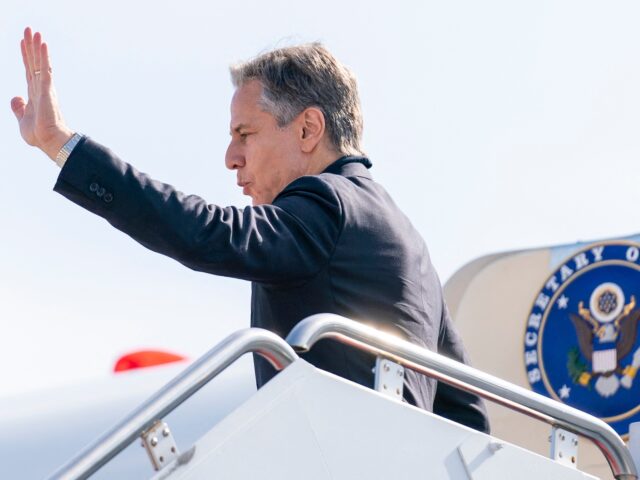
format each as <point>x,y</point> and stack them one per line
<point>37,45</point>
<point>28,44</point>
<point>45,64</point>
<point>37,64</point>
<point>23,49</point>
<point>18,106</point>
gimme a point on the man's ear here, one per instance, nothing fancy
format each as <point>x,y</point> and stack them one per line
<point>313,128</point>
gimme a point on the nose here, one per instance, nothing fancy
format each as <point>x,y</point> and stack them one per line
<point>234,158</point>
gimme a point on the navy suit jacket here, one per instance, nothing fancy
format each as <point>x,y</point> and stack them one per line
<point>334,242</point>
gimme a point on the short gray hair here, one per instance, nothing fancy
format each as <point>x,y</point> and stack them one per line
<point>303,76</point>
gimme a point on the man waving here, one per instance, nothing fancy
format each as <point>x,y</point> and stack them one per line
<point>321,235</point>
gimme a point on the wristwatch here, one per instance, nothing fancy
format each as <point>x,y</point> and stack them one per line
<point>67,148</point>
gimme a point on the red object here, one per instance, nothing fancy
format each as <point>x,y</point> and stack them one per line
<point>144,359</point>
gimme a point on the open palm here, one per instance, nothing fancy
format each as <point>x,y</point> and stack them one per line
<point>39,118</point>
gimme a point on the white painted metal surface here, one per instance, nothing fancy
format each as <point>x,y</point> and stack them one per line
<point>389,378</point>
<point>564,447</point>
<point>310,424</point>
<point>160,445</point>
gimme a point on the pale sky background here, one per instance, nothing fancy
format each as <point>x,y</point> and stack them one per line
<point>495,125</point>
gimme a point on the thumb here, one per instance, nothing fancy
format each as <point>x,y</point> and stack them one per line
<point>18,106</point>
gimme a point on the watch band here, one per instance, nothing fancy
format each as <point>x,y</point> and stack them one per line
<point>67,148</point>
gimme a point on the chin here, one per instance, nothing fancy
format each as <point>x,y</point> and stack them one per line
<point>261,199</point>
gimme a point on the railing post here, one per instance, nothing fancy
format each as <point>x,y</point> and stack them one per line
<point>634,443</point>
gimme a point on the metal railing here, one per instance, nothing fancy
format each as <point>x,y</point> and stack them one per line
<point>194,377</point>
<point>306,333</point>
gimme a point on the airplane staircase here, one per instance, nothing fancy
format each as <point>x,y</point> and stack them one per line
<point>307,423</point>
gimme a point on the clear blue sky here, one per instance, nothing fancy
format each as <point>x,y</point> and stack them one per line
<point>495,125</point>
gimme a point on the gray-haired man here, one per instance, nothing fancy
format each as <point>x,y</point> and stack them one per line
<point>321,235</point>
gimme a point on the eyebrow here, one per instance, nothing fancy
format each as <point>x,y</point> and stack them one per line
<point>242,126</point>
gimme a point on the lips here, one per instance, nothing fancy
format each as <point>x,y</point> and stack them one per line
<point>244,186</point>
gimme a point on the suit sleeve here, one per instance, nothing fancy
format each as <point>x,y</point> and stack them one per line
<point>287,241</point>
<point>450,402</point>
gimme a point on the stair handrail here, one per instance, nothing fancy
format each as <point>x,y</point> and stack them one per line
<point>325,325</point>
<point>189,381</point>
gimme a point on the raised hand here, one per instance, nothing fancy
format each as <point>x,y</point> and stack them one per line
<point>40,120</point>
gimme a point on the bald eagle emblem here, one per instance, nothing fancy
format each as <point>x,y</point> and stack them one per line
<point>606,333</point>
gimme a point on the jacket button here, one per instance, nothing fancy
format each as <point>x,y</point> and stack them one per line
<point>100,191</point>
<point>107,198</point>
<point>93,187</point>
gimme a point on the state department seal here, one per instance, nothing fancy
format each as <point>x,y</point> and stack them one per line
<point>581,344</point>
